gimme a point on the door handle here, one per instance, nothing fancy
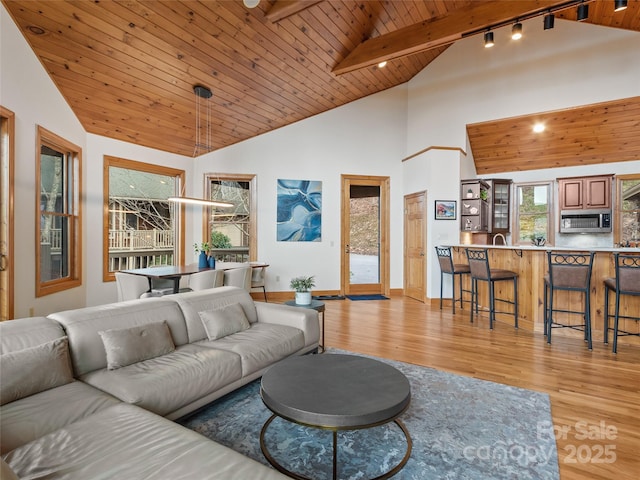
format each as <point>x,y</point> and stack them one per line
<point>346,249</point>
<point>3,262</point>
<point>422,254</point>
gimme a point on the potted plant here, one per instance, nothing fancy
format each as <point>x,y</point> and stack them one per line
<point>302,286</point>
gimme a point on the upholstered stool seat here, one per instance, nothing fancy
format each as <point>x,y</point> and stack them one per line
<point>481,270</point>
<point>626,282</point>
<point>447,266</point>
<point>570,272</point>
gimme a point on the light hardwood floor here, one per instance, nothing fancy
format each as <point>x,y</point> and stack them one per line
<point>593,394</point>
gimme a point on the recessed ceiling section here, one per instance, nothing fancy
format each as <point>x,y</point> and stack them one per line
<point>587,135</point>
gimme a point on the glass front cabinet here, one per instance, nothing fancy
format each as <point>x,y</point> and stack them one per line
<point>499,205</point>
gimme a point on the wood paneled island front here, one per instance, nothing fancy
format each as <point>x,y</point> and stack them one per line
<point>530,263</point>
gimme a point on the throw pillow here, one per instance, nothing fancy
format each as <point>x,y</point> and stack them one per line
<point>35,369</point>
<point>224,321</point>
<point>126,346</point>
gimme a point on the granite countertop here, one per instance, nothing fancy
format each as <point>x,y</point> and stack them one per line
<point>551,247</point>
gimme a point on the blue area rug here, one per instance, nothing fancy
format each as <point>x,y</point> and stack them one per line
<point>461,427</point>
<point>367,297</point>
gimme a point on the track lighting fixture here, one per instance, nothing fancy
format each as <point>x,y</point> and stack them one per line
<point>488,40</point>
<point>619,5</point>
<point>549,21</point>
<point>583,12</point>
<point>516,31</point>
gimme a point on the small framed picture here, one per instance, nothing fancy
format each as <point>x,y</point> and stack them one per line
<point>446,209</point>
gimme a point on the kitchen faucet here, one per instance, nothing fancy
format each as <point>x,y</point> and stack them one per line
<point>504,240</point>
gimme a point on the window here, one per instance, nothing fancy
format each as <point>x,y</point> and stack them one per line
<point>58,170</point>
<point>533,218</point>
<point>141,227</point>
<point>627,208</point>
<point>231,231</point>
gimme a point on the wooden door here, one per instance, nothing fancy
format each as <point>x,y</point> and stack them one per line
<point>364,268</point>
<point>415,245</point>
<point>7,134</point>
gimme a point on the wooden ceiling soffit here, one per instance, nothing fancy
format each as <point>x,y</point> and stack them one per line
<point>439,32</point>
<point>593,134</point>
<point>286,8</point>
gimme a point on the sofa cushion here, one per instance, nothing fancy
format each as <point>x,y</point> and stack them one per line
<point>82,327</point>
<point>166,383</point>
<point>224,321</point>
<point>23,333</point>
<point>193,302</point>
<point>125,346</point>
<point>6,473</point>
<point>32,417</point>
<point>126,442</point>
<point>35,369</point>
<point>261,345</point>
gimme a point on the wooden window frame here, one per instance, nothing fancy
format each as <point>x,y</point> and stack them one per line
<point>109,161</point>
<point>617,209</point>
<point>73,212</point>
<point>253,207</point>
<point>550,211</point>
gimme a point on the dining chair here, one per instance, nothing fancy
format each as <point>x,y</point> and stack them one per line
<point>131,286</point>
<point>206,279</point>
<point>238,277</point>
<point>257,279</point>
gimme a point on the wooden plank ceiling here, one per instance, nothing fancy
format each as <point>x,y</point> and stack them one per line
<point>127,68</point>
<point>592,134</point>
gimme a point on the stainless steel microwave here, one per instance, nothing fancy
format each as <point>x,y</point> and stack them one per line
<point>585,221</point>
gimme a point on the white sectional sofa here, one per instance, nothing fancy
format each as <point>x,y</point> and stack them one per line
<point>90,393</point>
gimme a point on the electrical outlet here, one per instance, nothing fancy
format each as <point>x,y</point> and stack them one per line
<point>31,312</point>
<point>277,278</point>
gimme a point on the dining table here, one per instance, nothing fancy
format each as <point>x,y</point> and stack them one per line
<point>176,272</point>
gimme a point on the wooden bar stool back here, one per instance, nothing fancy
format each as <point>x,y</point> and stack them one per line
<point>626,282</point>
<point>480,270</point>
<point>447,266</point>
<point>570,272</point>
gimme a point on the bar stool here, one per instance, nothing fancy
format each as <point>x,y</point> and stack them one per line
<point>626,282</point>
<point>569,272</point>
<point>447,266</point>
<point>480,270</point>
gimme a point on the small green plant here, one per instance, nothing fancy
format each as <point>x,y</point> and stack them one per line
<point>302,284</point>
<point>203,247</point>
<point>483,194</point>
<point>220,240</point>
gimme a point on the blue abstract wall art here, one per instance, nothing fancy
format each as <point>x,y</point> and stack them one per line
<point>299,211</point>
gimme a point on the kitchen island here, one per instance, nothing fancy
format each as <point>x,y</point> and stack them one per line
<point>530,262</point>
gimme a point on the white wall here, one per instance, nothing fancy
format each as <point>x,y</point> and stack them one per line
<point>573,64</point>
<point>27,90</point>
<point>366,137</point>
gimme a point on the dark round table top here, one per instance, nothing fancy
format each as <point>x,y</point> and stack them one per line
<point>335,391</point>
<point>315,304</point>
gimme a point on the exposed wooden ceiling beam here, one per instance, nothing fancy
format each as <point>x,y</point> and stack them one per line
<point>285,8</point>
<point>439,32</point>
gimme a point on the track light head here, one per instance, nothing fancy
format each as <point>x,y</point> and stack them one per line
<point>516,31</point>
<point>488,40</point>
<point>583,12</point>
<point>549,20</point>
<point>619,5</point>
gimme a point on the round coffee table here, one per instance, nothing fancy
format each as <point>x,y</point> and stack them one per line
<point>335,392</point>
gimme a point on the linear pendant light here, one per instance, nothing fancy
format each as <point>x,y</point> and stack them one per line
<point>200,201</point>
<point>202,94</point>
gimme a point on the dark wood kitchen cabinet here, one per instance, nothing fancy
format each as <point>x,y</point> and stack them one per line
<point>585,193</point>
